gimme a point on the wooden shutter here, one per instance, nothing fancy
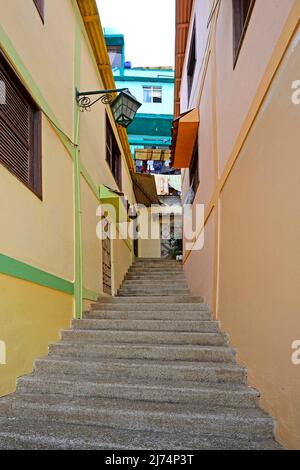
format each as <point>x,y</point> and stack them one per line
<point>40,5</point>
<point>19,131</point>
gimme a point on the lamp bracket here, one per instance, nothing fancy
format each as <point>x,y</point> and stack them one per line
<point>106,97</point>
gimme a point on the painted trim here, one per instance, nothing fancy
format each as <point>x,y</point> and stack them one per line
<point>155,69</point>
<point>90,295</point>
<point>78,286</point>
<point>151,142</point>
<point>215,295</point>
<point>155,116</point>
<point>18,269</point>
<point>89,180</point>
<point>143,79</point>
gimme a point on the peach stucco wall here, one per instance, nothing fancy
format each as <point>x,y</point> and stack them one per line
<point>236,89</point>
<point>199,267</point>
<point>259,255</point>
<point>250,274</point>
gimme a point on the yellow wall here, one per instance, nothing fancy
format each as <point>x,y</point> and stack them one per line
<point>122,258</point>
<point>30,318</point>
<point>149,247</point>
<point>42,233</point>
<point>47,50</point>
<point>92,246</point>
<point>35,231</point>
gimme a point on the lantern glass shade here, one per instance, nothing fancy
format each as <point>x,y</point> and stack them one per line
<point>124,108</point>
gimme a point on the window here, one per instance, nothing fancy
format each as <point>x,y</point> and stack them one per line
<point>115,56</point>
<point>113,155</point>
<point>152,94</point>
<point>194,171</point>
<point>242,10</point>
<point>40,5</point>
<point>191,62</point>
<point>20,131</point>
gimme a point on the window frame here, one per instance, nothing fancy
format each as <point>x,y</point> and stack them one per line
<point>113,154</point>
<point>34,183</point>
<point>240,26</point>
<point>151,88</point>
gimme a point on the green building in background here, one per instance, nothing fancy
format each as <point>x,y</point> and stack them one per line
<point>150,133</point>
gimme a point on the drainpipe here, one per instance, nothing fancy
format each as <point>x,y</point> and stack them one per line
<point>78,285</point>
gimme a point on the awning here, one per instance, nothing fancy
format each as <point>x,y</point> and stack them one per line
<point>117,200</point>
<point>184,136</point>
<point>145,189</point>
<point>152,154</point>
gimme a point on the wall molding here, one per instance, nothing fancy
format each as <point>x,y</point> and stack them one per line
<point>90,295</point>
<point>20,270</point>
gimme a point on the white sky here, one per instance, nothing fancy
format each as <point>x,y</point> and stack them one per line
<point>148,27</point>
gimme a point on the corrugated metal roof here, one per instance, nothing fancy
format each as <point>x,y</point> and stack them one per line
<point>183,16</point>
<point>90,16</point>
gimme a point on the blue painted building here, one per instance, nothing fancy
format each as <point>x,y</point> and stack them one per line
<point>154,88</point>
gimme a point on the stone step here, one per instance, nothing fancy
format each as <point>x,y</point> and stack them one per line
<point>138,369</point>
<point>157,283</point>
<point>128,306</point>
<point>153,292</point>
<point>159,263</point>
<point>148,315</point>
<point>148,325</point>
<point>154,289</point>
<point>155,277</point>
<point>171,271</point>
<point>147,416</point>
<point>146,369</point>
<point>158,266</point>
<point>219,395</point>
<point>157,260</point>
<point>5,405</point>
<point>144,337</point>
<point>165,272</point>
<point>154,352</point>
<point>23,434</point>
<point>175,299</point>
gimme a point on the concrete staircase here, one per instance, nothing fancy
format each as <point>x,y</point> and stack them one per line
<point>148,369</point>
